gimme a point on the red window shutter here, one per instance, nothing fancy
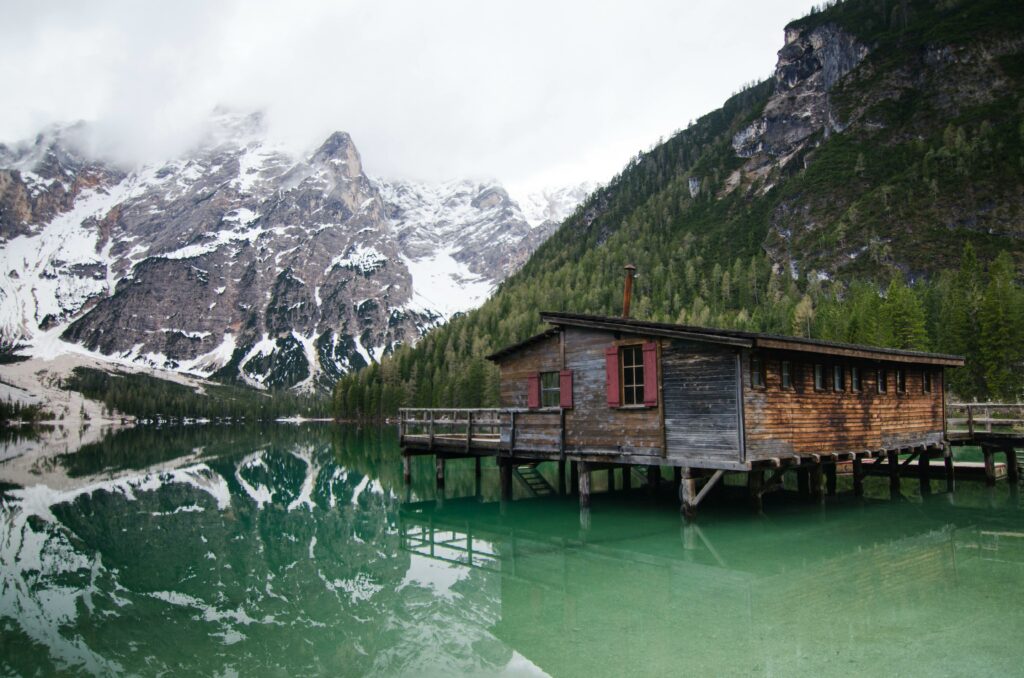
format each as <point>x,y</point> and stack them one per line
<point>533,391</point>
<point>565,389</point>
<point>650,374</point>
<point>611,375</point>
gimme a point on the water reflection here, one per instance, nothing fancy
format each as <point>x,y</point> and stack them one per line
<point>298,550</point>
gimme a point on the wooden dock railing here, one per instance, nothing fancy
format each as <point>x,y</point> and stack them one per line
<point>454,429</point>
<point>974,418</point>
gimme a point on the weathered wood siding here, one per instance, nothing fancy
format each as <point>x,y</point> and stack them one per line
<point>543,356</point>
<point>701,397</point>
<point>802,420</point>
<point>592,426</point>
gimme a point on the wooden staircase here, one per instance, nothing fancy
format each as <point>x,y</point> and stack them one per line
<point>536,483</point>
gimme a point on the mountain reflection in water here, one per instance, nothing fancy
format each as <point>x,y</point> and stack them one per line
<point>297,550</point>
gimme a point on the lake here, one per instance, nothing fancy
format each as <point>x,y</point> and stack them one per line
<point>297,550</point>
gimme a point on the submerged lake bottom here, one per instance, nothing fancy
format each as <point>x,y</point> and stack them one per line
<point>298,550</point>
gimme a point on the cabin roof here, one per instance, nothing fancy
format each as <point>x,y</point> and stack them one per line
<point>753,340</point>
<point>514,348</point>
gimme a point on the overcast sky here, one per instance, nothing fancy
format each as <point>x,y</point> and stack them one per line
<point>531,93</point>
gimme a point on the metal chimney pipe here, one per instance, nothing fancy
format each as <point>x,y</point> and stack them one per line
<point>627,292</point>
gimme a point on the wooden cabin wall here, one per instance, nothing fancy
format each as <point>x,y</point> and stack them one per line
<point>804,421</point>
<point>592,426</point>
<point>701,396</point>
<point>543,356</point>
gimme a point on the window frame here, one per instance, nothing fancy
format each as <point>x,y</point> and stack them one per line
<point>786,375</point>
<point>546,391</point>
<point>856,379</point>
<point>820,381</point>
<point>636,389</point>
<point>901,380</point>
<point>882,380</point>
<point>838,378</point>
<point>757,369</point>
<point>926,381</point>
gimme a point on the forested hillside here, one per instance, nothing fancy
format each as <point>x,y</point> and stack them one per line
<point>894,219</point>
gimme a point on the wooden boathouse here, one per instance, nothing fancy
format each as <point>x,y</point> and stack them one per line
<point>603,393</point>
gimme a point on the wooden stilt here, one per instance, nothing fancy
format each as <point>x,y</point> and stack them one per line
<point>1012,468</point>
<point>505,469</point>
<point>755,487</point>
<point>574,477</point>
<point>584,483</point>
<point>894,472</point>
<point>561,477</point>
<point>950,473</point>
<point>858,477</point>
<point>677,475</point>
<point>653,478</point>
<point>406,469</point>
<point>922,471</point>
<point>990,466</point>
<point>439,466</point>
<point>830,478</point>
<point>477,479</point>
<point>627,477</point>
<point>687,494</point>
<point>815,482</point>
<point>803,482</point>
<point>611,479</point>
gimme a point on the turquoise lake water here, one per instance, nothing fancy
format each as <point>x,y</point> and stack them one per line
<point>285,550</point>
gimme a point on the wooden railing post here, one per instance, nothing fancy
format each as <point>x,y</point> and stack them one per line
<point>431,429</point>
<point>970,420</point>
<point>469,429</point>
<point>988,420</point>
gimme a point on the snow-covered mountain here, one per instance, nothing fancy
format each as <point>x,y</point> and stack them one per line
<point>241,260</point>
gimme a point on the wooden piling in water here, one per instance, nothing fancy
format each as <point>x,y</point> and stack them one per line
<point>574,477</point>
<point>924,480</point>
<point>687,494</point>
<point>627,477</point>
<point>584,484</point>
<point>990,465</point>
<point>858,477</point>
<point>439,468</point>
<point>611,479</point>
<point>950,472</point>
<point>406,469</point>
<point>803,482</point>
<point>894,472</point>
<point>815,482</point>
<point>505,470</point>
<point>755,490</point>
<point>830,478</point>
<point>561,477</point>
<point>1012,468</point>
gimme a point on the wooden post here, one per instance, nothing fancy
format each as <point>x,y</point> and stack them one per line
<point>687,494</point>
<point>755,485</point>
<point>561,477</point>
<point>584,483</point>
<point>505,468</point>
<point>858,477</point>
<point>830,477</point>
<point>803,482</point>
<point>653,478</point>
<point>677,475</point>
<point>574,477</point>
<point>477,478</point>
<point>406,469</point>
<point>923,471</point>
<point>970,420</point>
<point>439,467</point>
<point>469,430</point>
<point>627,477</point>
<point>950,473</point>
<point>990,465</point>
<point>431,429</point>
<point>894,472</point>
<point>1012,468</point>
<point>815,480</point>
<point>611,479</point>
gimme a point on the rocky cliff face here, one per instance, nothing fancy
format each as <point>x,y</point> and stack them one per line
<point>239,259</point>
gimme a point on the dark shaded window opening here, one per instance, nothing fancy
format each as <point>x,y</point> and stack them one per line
<point>550,392</point>
<point>756,371</point>
<point>819,377</point>
<point>837,378</point>
<point>786,374</point>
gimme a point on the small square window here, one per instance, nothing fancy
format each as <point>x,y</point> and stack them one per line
<point>883,380</point>
<point>786,374</point>
<point>901,380</point>
<point>926,381</point>
<point>855,379</point>
<point>819,377</point>
<point>837,378</point>
<point>549,389</point>
<point>756,371</point>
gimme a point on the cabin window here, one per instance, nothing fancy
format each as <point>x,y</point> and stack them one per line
<point>756,371</point>
<point>926,381</point>
<point>837,378</point>
<point>786,374</point>
<point>550,392</point>
<point>632,361</point>
<point>901,380</point>
<point>855,379</point>
<point>883,380</point>
<point>819,377</point>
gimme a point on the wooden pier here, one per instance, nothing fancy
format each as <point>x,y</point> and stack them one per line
<point>519,439</point>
